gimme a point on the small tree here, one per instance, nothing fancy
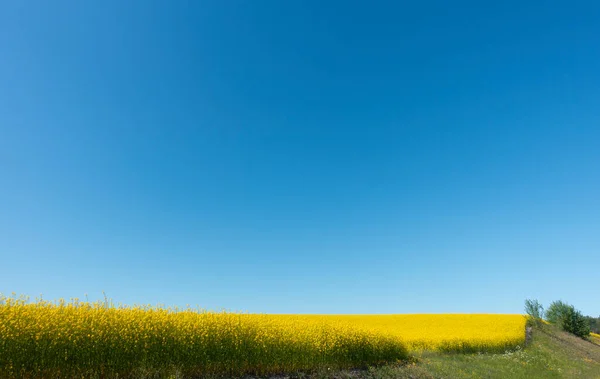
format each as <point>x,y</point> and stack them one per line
<point>574,322</point>
<point>556,311</point>
<point>568,318</point>
<point>535,310</point>
<point>594,324</point>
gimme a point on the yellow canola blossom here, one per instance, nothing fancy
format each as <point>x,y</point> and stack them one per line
<point>81,339</point>
<point>448,332</point>
<point>78,339</point>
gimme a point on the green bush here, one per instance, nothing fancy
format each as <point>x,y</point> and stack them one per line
<point>568,318</point>
<point>556,311</point>
<point>594,324</point>
<point>574,322</point>
<point>535,310</point>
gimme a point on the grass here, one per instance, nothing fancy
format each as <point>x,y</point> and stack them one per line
<point>550,354</point>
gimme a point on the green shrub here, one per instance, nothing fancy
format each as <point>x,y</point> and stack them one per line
<point>594,324</point>
<point>556,311</point>
<point>535,310</point>
<point>574,322</point>
<point>568,318</point>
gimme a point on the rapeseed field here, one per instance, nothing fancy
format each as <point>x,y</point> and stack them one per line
<point>446,332</point>
<point>80,339</point>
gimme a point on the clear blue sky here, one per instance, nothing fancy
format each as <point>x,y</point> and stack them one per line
<point>302,157</point>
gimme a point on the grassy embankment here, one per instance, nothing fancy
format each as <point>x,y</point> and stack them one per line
<point>551,353</point>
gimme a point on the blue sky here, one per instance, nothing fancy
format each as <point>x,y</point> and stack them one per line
<point>302,157</point>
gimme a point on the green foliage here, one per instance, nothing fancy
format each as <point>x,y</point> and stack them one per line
<point>594,324</point>
<point>535,310</point>
<point>556,311</point>
<point>568,318</point>
<point>574,322</point>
